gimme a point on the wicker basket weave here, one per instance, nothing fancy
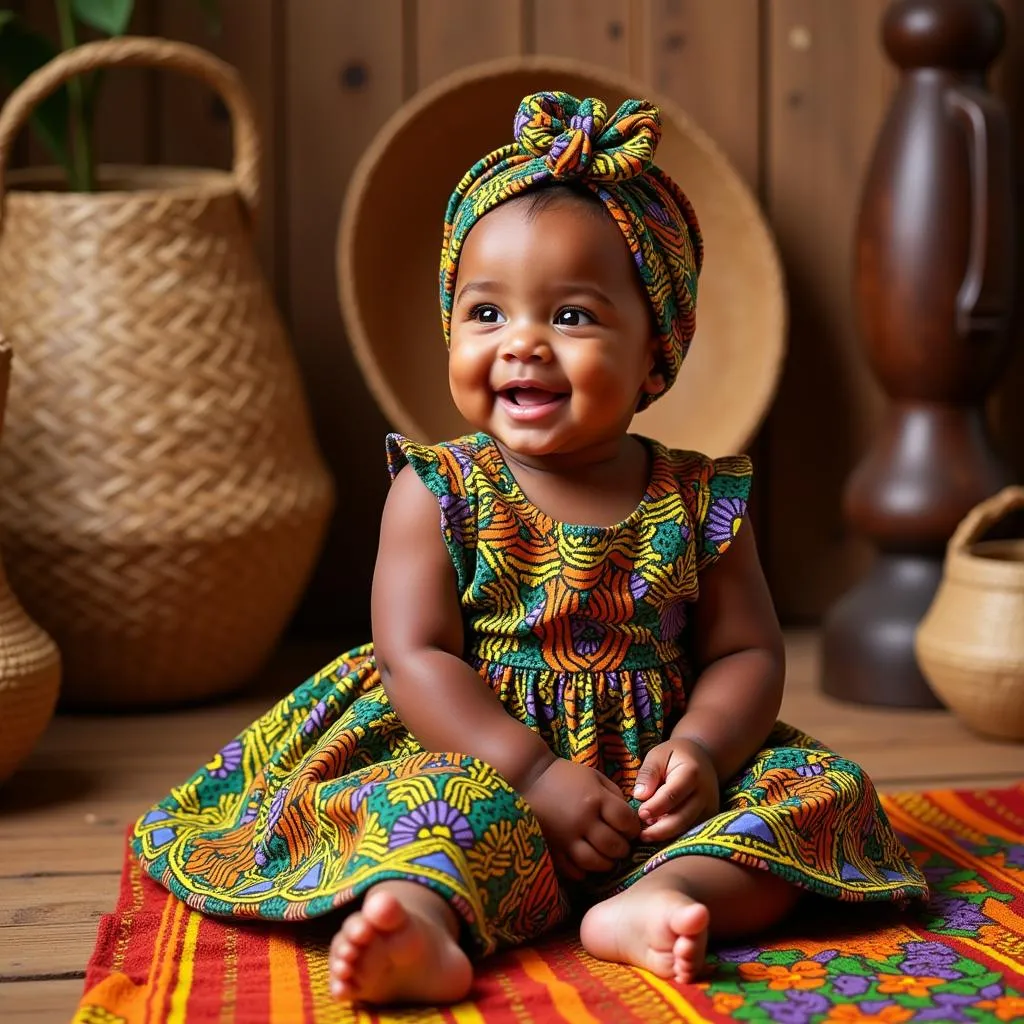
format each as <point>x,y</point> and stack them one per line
<point>970,644</point>
<point>29,661</point>
<point>163,497</point>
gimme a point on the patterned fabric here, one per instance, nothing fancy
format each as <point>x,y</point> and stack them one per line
<point>560,138</point>
<point>955,960</point>
<point>583,633</point>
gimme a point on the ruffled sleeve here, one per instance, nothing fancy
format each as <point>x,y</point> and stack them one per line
<point>446,471</point>
<point>721,506</point>
<point>715,493</point>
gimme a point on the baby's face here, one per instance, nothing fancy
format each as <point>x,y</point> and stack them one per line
<point>551,339</point>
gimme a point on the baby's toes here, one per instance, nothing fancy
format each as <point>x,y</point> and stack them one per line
<point>357,930</point>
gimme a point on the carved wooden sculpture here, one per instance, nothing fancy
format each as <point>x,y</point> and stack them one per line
<point>934,277</point>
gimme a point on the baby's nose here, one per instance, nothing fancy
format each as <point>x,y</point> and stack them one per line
<point>527,344</point>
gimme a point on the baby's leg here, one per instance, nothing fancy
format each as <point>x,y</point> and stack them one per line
<point>401,946</point>
<point>662,921</point>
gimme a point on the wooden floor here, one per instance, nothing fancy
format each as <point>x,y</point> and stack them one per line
<point>63,816</point>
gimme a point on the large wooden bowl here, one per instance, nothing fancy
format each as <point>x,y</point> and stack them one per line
<point>390,241</point>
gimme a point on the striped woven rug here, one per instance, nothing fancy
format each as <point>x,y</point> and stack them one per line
<point>959,959</point>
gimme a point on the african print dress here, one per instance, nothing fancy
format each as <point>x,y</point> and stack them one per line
<point>582,632</point>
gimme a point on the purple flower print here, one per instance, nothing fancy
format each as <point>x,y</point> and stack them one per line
<point>1015,856</point>
<point>533,615</point>
<point>360,794</point>
<point>851,984</point>
<point>957,914</point>
<point>276,807</point>
<point>464,461</point>
<point>641,698</point>
<point>930,959</point>
<point>454,515</point>
<point>808,770</point>
<point>657,211</point>
<point>673,620</point>
<point>558,146</point>
<point>434,818</point>
<point>584,123</point>
<point>315,721</point>
<point>946,1008</point>
<point>825,955</point>
<point>638,586</point>
<point>587,635</point>
<point>799,1007</point>
<point>227,760</point>
<point>723,519</point>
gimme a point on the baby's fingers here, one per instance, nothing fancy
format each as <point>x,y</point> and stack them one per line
<point>669,797</point>
<point>671,826</point>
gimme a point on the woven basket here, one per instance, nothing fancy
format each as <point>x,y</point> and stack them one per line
<point>970,644</point>
<point>733,366</point>
<point>29,661</point>
<point>163,497</point>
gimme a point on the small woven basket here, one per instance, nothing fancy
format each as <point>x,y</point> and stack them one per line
<point>29,661</point>
<point>163,497</point>
<point>970,644</point>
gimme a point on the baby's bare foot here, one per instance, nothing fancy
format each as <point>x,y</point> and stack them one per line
<point>400,947</point>
<point>661,930</point>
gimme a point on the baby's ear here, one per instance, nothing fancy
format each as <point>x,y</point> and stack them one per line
<point>655,382</point>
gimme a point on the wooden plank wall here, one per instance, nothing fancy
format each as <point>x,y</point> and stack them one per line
<point>793,90</point>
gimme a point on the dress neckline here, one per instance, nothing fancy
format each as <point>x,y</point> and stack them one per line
<point>514,492</point>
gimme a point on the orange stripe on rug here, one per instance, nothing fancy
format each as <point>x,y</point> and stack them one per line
<point>987,826</point>
<point>566,999</point>
<point>163,962</point>
<point>285,990</point>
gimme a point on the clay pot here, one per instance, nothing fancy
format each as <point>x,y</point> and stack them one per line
<point>970,644</point>
<point>29,661</point>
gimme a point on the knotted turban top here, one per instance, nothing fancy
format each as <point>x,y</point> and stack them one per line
<point>559,138</point>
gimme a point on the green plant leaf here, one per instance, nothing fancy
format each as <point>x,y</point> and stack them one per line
<point>110,16</point>
<point>22,51</point>
<point>211,8</point>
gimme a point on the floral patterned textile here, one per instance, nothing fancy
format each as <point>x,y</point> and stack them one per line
<point>583,634</point>
<point>956,960</point>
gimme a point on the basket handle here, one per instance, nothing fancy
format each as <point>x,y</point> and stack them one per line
<point>986,515</point>
<point>143,51</point>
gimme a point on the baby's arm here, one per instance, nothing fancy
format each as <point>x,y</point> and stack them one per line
<point>734,702</point>
<point>418,640</point>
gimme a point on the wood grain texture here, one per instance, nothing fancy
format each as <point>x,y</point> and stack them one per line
<point>1007,82</point>
<point>451,34</point>
<point>706,56</point>
<point>597,31</point>
<point>193,127</point>
<point>39,1002</point>
<point>344,79</point>
<point>827,93</point>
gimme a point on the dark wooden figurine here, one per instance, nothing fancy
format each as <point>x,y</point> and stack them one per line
<point>934,278</point>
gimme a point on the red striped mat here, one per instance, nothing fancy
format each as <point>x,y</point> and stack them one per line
<point>959,959</point>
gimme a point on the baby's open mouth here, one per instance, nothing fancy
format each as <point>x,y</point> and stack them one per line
<point>530,396</point>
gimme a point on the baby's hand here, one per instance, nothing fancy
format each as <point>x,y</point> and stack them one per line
<point>587,823</point>
<point>678,788</point>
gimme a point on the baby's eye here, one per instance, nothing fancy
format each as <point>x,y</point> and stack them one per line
<point>571,316</point>
<point>486,314</point>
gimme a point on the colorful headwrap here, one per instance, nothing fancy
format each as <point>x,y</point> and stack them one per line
<point>560,139</point>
